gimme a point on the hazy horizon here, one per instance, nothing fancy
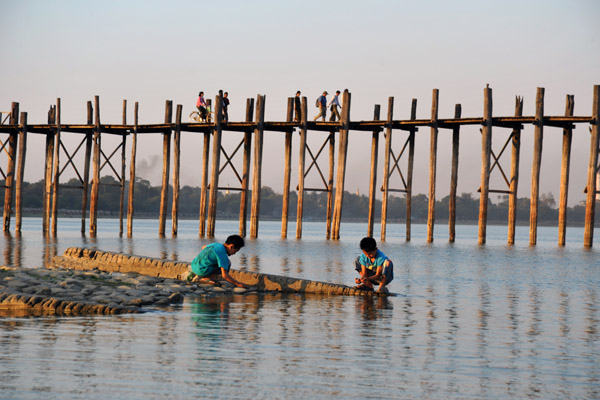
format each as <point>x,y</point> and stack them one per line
<point>150,51</point>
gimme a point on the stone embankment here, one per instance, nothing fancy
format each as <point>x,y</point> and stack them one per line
<point>84,281</point>
<point>45,291</point>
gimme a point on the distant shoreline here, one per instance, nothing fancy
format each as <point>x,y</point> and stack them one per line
<point>76,214</point>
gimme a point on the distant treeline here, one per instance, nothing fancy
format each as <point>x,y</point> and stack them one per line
<point>355,207</point>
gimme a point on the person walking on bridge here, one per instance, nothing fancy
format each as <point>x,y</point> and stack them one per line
<point>333,105</point>
<point>322,105</point>
<point>297,107</point>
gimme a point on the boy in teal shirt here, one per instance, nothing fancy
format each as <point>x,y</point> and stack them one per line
<point>213,261</point>
<point>373,267</point>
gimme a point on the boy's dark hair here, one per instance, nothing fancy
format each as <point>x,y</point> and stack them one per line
<point>368,244</point>
<point>236,240</point>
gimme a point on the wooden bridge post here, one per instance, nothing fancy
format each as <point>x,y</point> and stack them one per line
<point>122,183</point>
<point>96,166</point>
<point>204,184</point>
<point>56,180</point>
<point>287,170</point>
<point>10,169</point>
<point>454,177</point>
<point>20,171</point>
<point>130,196</point>
<point>301,168</point>
<point>96,161</point>
<point>432,165</point>
<point>564,173</point>
<point>246,168</point>
<point>49,162</point>
<point>590,204</point>
<point>164,192</point>
<point>341,169</point>
<point>514,173</point>
<point>176,168</point>
<point>411,163</point>
<point>486,149</point>
<point>257,169</point>
<point>537,162</point>
<point>386,167</point>
<point>216,159</point>
<point>373,174</point>
<point>86,166</point>
<point>330,184</point>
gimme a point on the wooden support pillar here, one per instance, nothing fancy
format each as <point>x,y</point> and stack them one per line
<point>486,150</point>
<point>386,167</point>
<point>410,167</point>
<point>301,168</point>
<point>214,180</point>
<point>590,204</point>
<point>176,168</point>
<point>341,169</point>
<point>246,169</point>
<point>373,175</point>
<point>514,173</point>
<point>564,173</point>
<point>454,178</point>
<point>10,169</point>
<point>130,196</point>
<point>164,192</point>
<point>122,183</point>
<point>287,171</point>
<point>96,162</point>
<point>257,170</point>
<point>204,184</point>
<point>432,165</point>
<point>20,171</point>
<point>49,161</point>
<point>330,184</point>
<point>56,180</point>
<point>86,167</point>
<point>537,163</point>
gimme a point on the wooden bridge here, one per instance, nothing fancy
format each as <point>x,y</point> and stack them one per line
<point>98,157</point>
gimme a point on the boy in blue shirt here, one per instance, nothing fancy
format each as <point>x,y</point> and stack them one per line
<point>213,261</point>
<point>373,267</point>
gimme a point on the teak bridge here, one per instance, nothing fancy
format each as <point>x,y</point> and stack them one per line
<point>15,146</point>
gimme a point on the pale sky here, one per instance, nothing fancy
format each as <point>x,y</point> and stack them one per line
<point>151,51</point>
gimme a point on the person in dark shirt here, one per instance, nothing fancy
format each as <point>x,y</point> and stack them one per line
<point>297,107</point>
<point>322,107</point>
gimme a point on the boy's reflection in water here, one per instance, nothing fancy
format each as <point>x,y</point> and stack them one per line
<point>214,315</point>
<point>370,307</point>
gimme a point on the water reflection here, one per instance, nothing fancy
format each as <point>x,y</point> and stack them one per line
<point>469,321</point>
<point>370,307</point>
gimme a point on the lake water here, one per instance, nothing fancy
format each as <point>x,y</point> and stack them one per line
<point>468,321</point>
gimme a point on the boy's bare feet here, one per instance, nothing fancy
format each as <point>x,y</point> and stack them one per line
<point>208,281</point>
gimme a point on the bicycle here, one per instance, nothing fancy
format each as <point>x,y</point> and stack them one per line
<point>195,116</point>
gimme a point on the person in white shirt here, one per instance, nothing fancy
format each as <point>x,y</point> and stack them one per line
<point>333,105</point>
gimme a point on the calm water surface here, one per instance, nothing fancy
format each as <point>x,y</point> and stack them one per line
<point>468,321</point>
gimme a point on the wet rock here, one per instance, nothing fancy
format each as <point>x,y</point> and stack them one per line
<point>45,291</point>
<point>176,298</point>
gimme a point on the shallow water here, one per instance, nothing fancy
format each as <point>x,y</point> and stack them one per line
<point>468,321</point>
